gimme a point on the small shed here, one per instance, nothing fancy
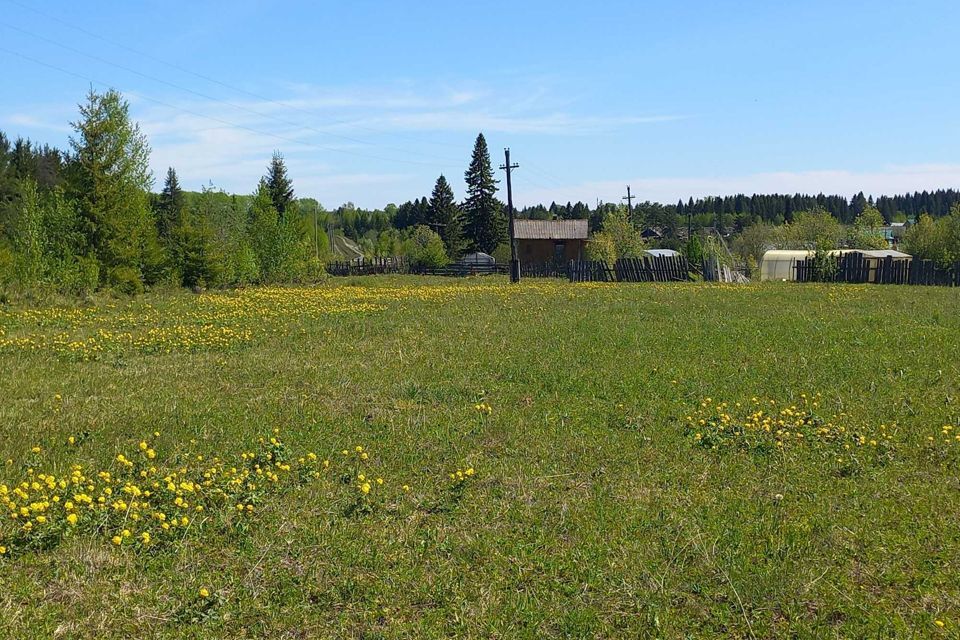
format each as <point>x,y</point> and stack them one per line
<point>550,241</point>
<point>477,259</point>
<point>780,264</point>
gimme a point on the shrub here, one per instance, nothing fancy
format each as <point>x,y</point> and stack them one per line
<point>426,249</point>
<point>125,280</point>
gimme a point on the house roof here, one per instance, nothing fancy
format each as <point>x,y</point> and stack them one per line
<point>550,229</point>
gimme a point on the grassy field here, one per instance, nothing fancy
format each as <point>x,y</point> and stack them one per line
<point>634,461</point>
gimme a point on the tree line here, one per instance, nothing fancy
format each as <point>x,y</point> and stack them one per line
<point>85,218</point>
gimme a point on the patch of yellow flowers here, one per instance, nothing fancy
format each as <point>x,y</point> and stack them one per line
<point>768,426</point>
<point>140,504</point>
<point>223,320</point>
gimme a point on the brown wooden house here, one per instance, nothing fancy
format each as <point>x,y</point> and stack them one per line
<point>550,241</point>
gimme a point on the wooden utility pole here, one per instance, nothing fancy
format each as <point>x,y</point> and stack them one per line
<point>316,235</point>
<point>629,198</point>
<point>514,262</point>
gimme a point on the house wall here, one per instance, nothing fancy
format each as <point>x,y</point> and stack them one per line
<point>545,251</point>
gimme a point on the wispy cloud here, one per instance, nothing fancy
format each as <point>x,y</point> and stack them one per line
<point>28,121</point>
<point>341,140</point>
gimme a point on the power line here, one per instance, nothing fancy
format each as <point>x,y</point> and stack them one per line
<point>214,80</point>
<point>206,96</point>
<point>211,118</point>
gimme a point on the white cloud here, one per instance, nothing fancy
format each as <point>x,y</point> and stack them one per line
<point>34,122</point>
<point>341,141</point>
<point>884,181</point>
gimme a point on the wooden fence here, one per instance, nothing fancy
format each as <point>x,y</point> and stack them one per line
<point>652,269</point>
<point>646,269</point>
<point>461,270</point>
<point>857,268</point>
<point>368,266</point>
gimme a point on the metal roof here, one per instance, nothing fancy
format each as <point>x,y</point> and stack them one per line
<point>550,229</point>
<point>884,253</point>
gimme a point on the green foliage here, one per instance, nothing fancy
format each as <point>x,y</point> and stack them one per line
<point>867,232</point>
<point>198,261</point>
<point>693,250</point>
<point>279,185</point>
<point>754,241</point>
<point>814,229</point>
<point>125,280</point>
<point>444,217</point>
<point>502,253</point>
<point>937,240</point>
<point>426,249</point>
<point>170,205</point>
<point>485,226</point>
<point>619,238</point>
<point>109,180</point>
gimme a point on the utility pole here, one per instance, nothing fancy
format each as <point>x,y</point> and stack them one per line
<point>629,198</point>
<point>316,236</point>
<point>514,262</point>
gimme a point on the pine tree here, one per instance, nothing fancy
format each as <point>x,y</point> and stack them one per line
<point>170,205</point>
<point>444,217</point>
<point>484,223</point>
<point>279,185</point>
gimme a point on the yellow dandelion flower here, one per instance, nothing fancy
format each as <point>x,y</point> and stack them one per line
<point>204,593</point>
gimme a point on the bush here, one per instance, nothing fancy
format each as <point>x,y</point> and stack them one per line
<point>125,280</point>
<point>426,249</point>
<point>78,275</point>
<point>502,253</point>
<point>618,239</point>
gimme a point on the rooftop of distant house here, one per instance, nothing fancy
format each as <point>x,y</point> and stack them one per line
<point>551,229</point>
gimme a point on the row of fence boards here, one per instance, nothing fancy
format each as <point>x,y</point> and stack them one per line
<point>857,268</point>
<point>646,269</point>
<point>368,266</point>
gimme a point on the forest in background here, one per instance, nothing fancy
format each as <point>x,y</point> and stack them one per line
<point>89,217</point>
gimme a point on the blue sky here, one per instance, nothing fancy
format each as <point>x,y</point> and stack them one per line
<point>370,101</point>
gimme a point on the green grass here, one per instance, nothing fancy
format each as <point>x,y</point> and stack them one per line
<point>594,512</point>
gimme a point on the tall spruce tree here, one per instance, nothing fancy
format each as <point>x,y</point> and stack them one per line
<point>110,179</point>
<point>170,205</point>
<point>444,217</point>
<point>484,223</point>
<point>279,184</point>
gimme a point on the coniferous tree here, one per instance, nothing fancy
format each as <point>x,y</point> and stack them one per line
<point>110,179</point>
<point>279,185</point>
<point>444,217</point>
<point>484,224</point>
<point>170,205</point>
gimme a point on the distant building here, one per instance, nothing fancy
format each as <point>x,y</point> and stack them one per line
<point>894,232</point>
<point>546,241</point>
